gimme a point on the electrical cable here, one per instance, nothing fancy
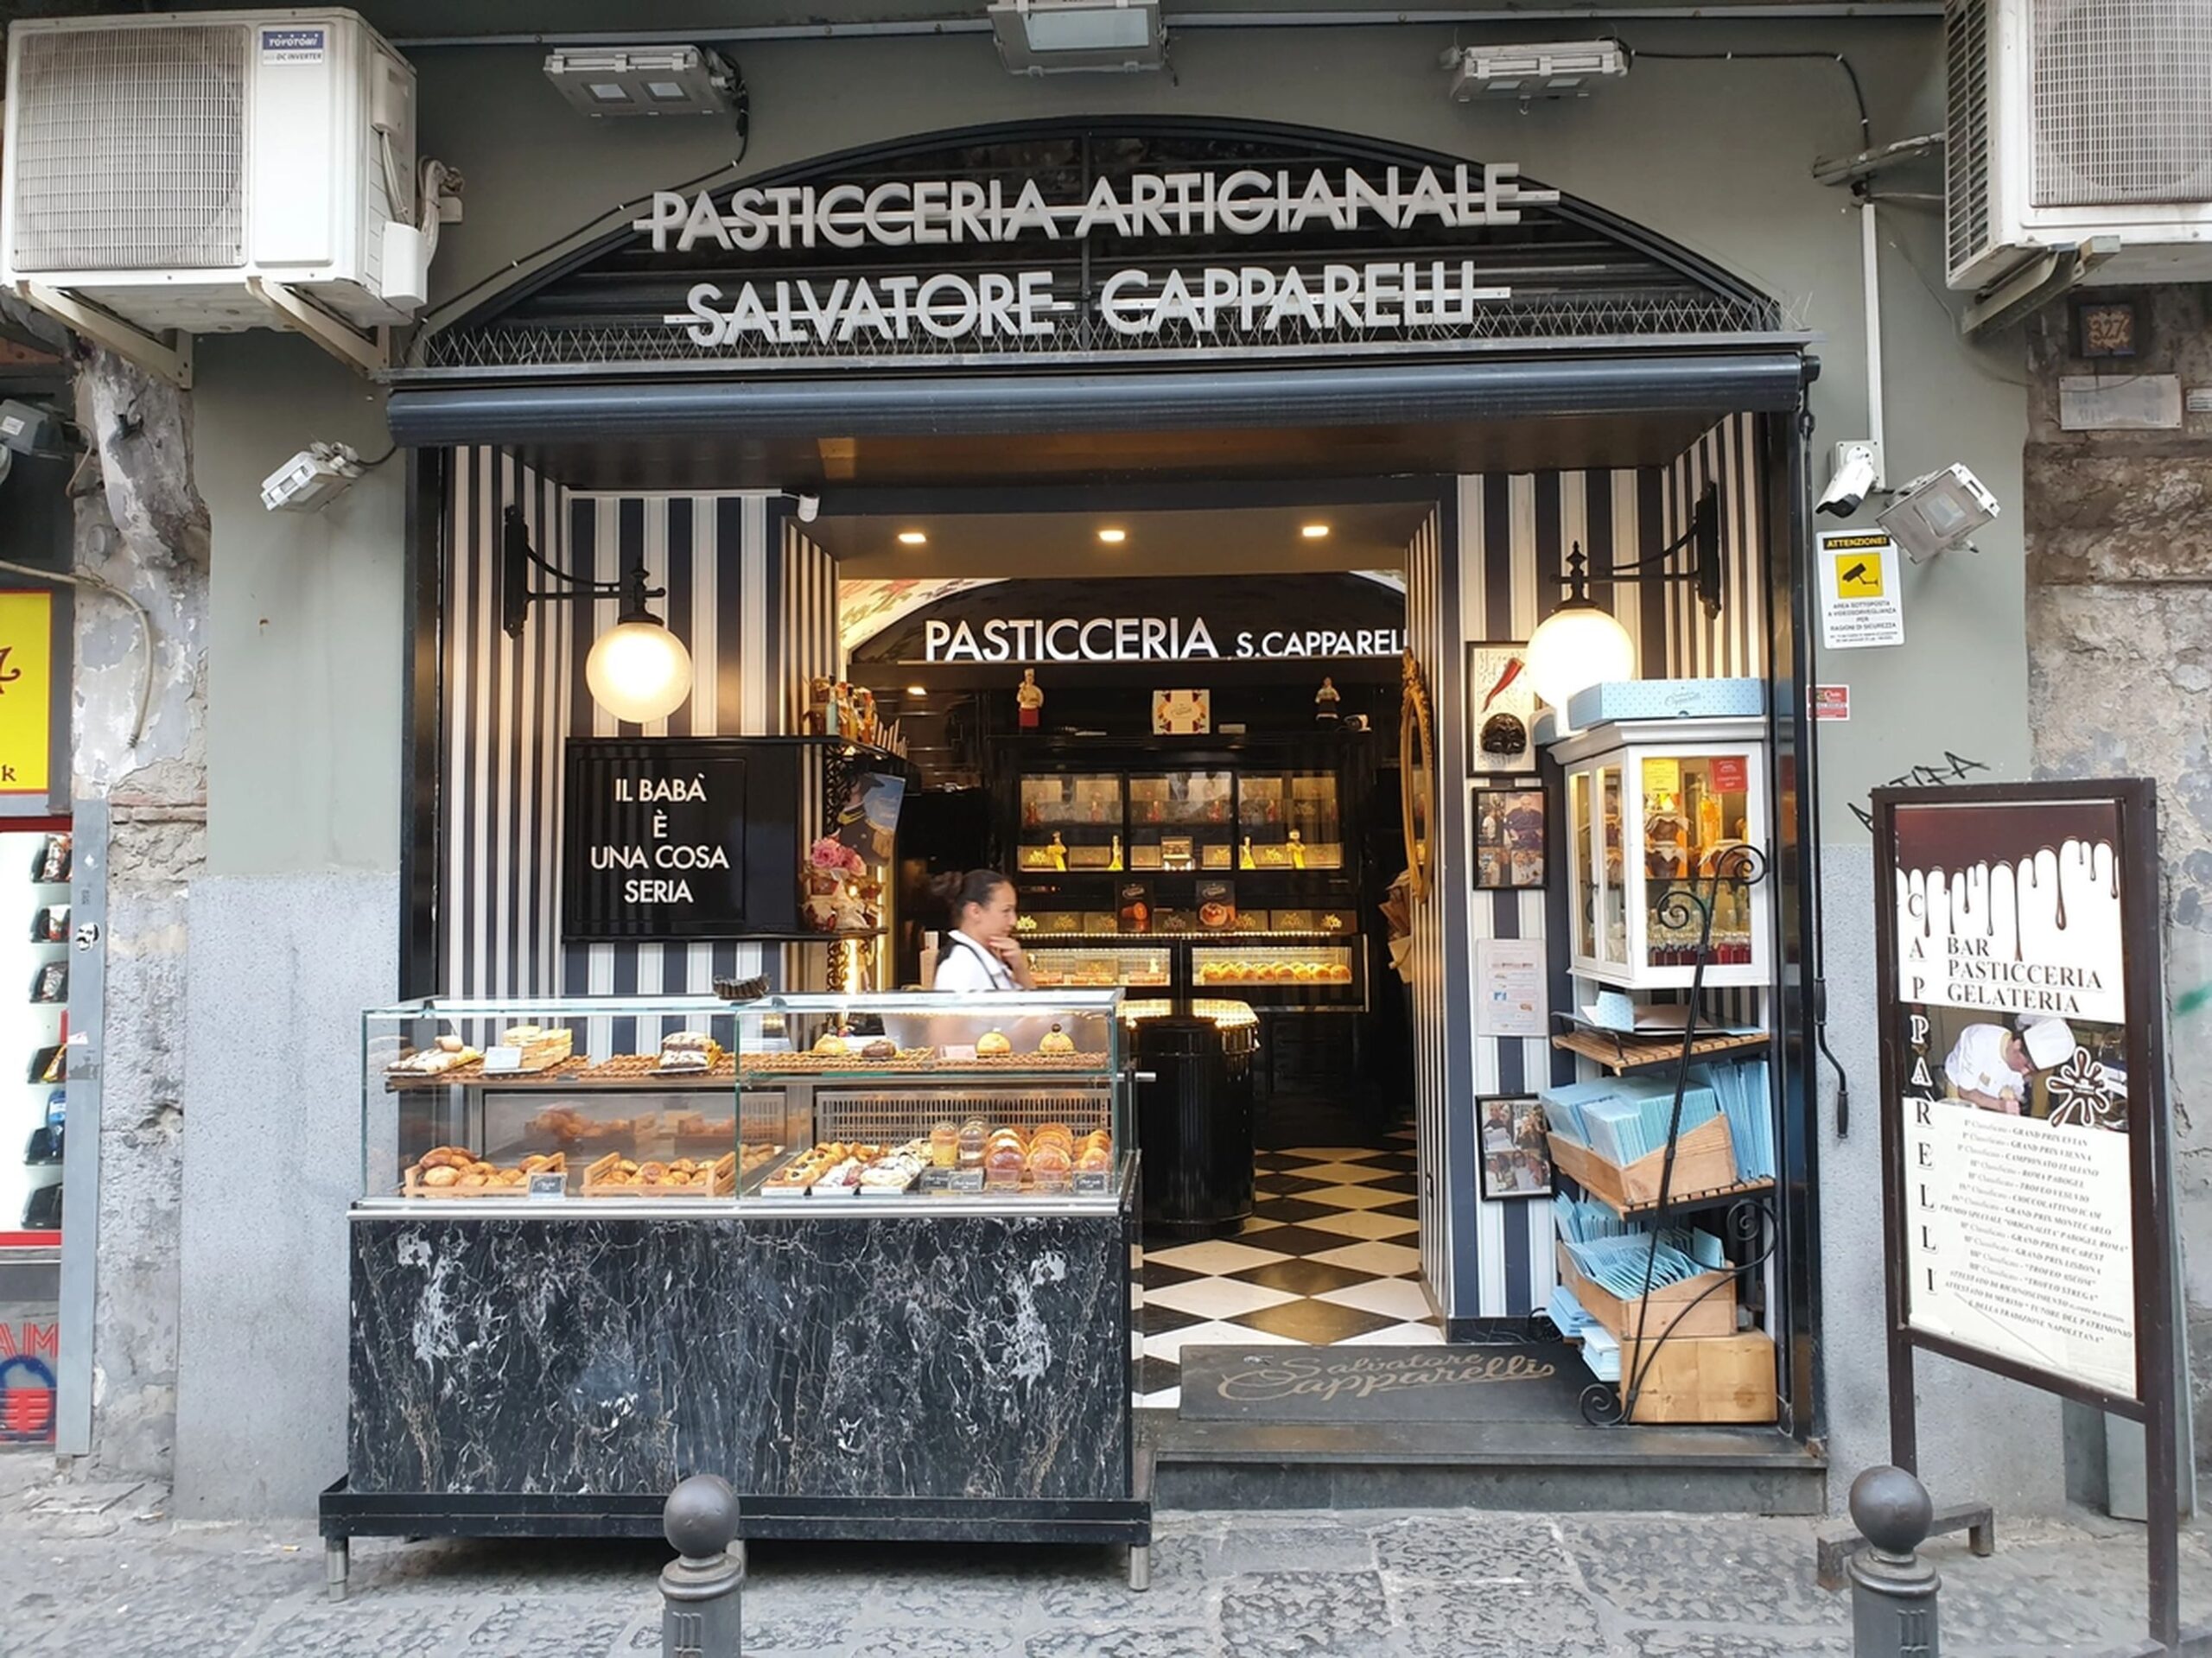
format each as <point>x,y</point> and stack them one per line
<point>101,584</point>
<point>1857,92</point>
<point>721,170</point>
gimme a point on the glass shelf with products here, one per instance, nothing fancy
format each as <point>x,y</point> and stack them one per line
<point>1070,822</point>
<point>1654,809</point>
<point>1098,965</point>
<point>1182,822</point>
<point>1004,1100</point>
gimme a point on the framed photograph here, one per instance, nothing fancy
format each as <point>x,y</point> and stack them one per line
<point>1501,709</point>
<point>1510,838</point>
<point>1516,1159</point>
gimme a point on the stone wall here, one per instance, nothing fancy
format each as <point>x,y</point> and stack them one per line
<point>140,725</point>
<point>2120,630</point>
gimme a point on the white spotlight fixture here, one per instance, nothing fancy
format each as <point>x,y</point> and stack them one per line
<point>912,538</point>
<point>1113,538</point>
<point>1313,531</point>
<point>917,691</point>
<point>644,80</point>
<point>1053,37</point>
<point>1933,514</point>
<point>1524,72</point>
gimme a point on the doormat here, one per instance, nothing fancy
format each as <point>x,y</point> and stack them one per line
<point>1519,1382</point>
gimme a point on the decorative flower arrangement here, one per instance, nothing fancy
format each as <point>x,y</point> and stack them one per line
<point>838,895</point>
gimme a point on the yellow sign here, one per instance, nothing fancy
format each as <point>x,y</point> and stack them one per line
<point>1661,777</point>
<point>1858,574</point>
<point>26,691</point>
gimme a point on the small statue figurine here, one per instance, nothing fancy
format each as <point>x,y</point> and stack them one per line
<point>1297,850</point>
<point>1059,851</point>
<point>1115,863</point>
<point>1029,697</point>
<point>847,721</point>
<point>865,728</point>
<point>821,693</point>
<point>1326,701</point>
<point>1244,858</point>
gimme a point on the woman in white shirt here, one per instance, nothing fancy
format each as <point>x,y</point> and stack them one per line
<point>981,952</point>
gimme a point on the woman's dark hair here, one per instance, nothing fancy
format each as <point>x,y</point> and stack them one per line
<point>957,891</point>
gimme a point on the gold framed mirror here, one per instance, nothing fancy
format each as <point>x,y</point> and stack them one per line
<point>1417,784</point>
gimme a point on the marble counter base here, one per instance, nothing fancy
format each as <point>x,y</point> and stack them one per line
<point>929,1357</point>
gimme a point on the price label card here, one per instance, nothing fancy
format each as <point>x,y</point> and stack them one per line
<point>1093,1183</point>
<point>958,1054</point>
<point>1661,777</point>
<point>952,1183</point>
<point>549,1183</point>
<point>499,1057</point>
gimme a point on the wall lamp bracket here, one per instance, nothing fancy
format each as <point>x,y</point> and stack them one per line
<point>1707,571</point>
<point>517,559</point>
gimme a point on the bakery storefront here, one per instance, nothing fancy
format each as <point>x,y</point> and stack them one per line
<point>1351,594</point>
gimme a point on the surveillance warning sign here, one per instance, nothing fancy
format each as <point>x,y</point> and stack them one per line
<point>1859,603</point>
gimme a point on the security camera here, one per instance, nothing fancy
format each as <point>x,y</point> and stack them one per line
<point>1856,471</point>
<point>311,478</point>
<point>1935,513</point>
<point>810,508</point>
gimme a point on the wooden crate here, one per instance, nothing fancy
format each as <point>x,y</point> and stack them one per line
<point>723,1184</point>
<point>1711,1379</point>
<point>1675,1308</point>
<point>1704,1161</point>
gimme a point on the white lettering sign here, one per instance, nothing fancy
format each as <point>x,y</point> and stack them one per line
<point>1141,638</point>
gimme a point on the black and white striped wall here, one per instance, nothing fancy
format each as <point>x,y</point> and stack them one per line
<point>754,601</point>
<point>1512,535</point>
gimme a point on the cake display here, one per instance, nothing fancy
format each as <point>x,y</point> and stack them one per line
<point>1057,1042</point>
<point>687,1053</point>
<point>993,1044</point>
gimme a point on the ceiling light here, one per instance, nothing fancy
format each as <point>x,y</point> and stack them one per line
<point>1313,531</point>
<point>1051,37</point>
<point>1113,538</point>
<point>1933,514</point>
<point>917,691</point>
<point>646,80</point>
<point>912,538</point>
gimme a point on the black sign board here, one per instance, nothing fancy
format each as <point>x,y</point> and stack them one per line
<point>679,838</point>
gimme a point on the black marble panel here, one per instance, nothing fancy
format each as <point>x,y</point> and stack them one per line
<point>835,1356</point>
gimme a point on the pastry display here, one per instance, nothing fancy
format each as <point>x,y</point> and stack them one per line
<point>1273,970</point>
<point>944,1146</point>
<point>832,1045</point>
<point>687,1053</point>
<point>993,1044</point>
<point>881,1048</point>
<point>567,1125</point>
<point>456,1171</point>
<point>448,1053</point>
<point>615,1175</point>
<point>972,1143</point>
<point>1057,1041</point>
<point>538,1048</point>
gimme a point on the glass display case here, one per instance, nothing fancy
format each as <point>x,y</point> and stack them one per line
<point>1070,822</point>
<point>1011,1098</point>
<point>1289,820</point>
<point>1182,822</point>
<point>1275,970</point>
<point>1653,808</point>
<point>1098,965</point>
<point>692,1098</point>
<point>546,1099</point>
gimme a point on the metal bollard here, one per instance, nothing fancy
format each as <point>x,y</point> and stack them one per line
<point>1893,1610</point>
<point>700,1605</point>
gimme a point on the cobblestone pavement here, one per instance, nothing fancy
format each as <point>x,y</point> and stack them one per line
<point>101,1570</point>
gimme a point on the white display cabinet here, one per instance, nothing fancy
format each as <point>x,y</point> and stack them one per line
<point>1653,808</point>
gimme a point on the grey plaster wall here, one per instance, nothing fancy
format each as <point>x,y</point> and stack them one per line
<point>264,1258</point>
<point>2120,619</point>
<point>140,532</point>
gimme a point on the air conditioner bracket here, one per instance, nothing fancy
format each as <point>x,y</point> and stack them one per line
<point>368,352</point>
<point>168,360</point>
<point>2042,278</point>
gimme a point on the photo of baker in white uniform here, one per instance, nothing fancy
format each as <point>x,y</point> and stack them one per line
<point>1995,1067</point>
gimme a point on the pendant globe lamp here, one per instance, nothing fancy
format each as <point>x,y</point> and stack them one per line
<point>637,671</point>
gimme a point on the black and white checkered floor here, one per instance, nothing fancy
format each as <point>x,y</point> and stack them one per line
<point>1329,1257</point>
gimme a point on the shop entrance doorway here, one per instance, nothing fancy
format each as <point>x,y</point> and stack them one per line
<point>1172,721</point>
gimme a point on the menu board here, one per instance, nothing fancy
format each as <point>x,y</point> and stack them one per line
<point>679,838</point>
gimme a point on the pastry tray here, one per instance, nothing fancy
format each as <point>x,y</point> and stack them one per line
<point>624,1071</point>
<point>818,1064</point>
<point>410,1187</point>
<point>723,1186</point>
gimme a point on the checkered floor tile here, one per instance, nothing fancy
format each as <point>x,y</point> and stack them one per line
<point>1331,1256</point>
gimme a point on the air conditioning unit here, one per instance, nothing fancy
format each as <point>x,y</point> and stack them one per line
<point>175,170</point>
<point>2070,120</point>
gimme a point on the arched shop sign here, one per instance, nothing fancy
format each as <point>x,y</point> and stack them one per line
<point>1100,239</point>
